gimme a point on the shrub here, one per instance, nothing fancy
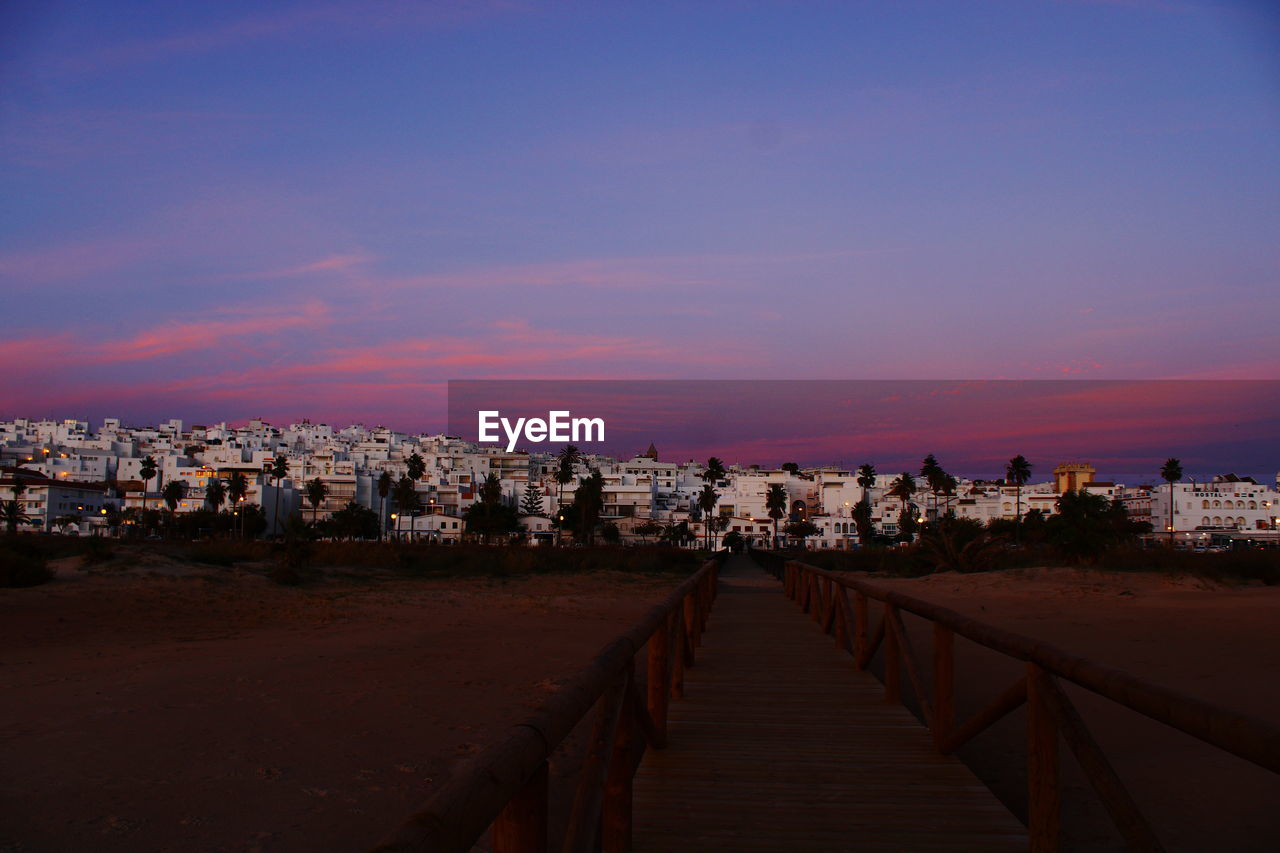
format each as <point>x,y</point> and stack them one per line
<point>223,552</point>
<point>422,558</point>
<point>98,550</point>
<point>22,567</point>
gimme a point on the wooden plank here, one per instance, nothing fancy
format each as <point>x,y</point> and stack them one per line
<point>781,746</point>
<point>522,825</point>
<point>1044,807</point>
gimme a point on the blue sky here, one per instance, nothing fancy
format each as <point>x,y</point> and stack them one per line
<point>327,209</point>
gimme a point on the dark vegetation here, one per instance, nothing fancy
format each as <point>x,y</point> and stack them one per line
<point>1087,530</point>
<point>298,557</point>
<point>1090,533</point>
<point>22,565</point>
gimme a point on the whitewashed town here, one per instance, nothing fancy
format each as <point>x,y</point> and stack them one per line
<point>66,478</point>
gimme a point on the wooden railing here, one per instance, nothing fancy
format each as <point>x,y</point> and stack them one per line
<point>505,786</point>
<point>1050,712</point>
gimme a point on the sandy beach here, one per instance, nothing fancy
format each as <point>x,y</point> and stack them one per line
<point>188,708</point>
<point>176,707</point>
<point>1219,643</point>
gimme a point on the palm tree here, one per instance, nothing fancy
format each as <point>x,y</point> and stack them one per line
<point>384,489</point>
<point>317,491</point>
<point>902,489</point>
<point>215,494</point>
<point>1171,472</point>
<point>715,471</point>
<point>417,467</point>
<point>406,498</point>
<point>862,512</point>
<point>866,478</point>
<point>775,500</point>
<point>1018,472</point>
<point>947,488</point>
<point>932,471</point>
<point>146,472</point>
<point>568,457</point>
<point>237,488</point>
<point>14,515</point>
<point>707,499</point>
<point>278,471</point>
<point>173,493</point>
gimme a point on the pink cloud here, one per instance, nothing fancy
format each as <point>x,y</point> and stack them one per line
<point>329,264</point>
<point>174,338</point>
<point>353,19</point>
<point>601,273</point>
<point>74,260</point>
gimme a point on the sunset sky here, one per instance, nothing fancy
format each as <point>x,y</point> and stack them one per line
<point>327,209</point>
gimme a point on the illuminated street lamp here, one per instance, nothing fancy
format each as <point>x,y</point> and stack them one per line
<point>395,526</point>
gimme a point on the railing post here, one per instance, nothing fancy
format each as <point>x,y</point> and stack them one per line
<point>816,610</point>
<point>521,826</point>
<point>1043,794</point>
<point>708,598</point>
<point>690,626</point>
<point>859,628</point>
<point>616,810</point>
<point>842,618</point>
<point>677,655</point>
<point>892,657</point>
<point>656,678</point>
<point>944,684</point>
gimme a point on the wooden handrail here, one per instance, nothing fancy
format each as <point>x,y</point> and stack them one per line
<point>1050,711</point>
<point>506,784</point>
<point>1247,737</point>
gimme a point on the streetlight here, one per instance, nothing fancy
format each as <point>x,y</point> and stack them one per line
<point>395,528</point>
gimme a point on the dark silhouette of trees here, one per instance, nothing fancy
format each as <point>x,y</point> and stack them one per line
<point>1018,472</point>
<point>1171,472</point>
<point>147,471</point>
<point>406,499</point>
<point>707,499</point>
<point>237,488</point>
<point>317,491</point>
<point>279,470</point>
<point>531,501</point>
<point>215,494</point>
<point>588,500</point>
<point>800,530</point>
<point>385,484</point>
<point>775,501</point>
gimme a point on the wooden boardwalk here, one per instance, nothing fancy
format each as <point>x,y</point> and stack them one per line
<point>781,745</point>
